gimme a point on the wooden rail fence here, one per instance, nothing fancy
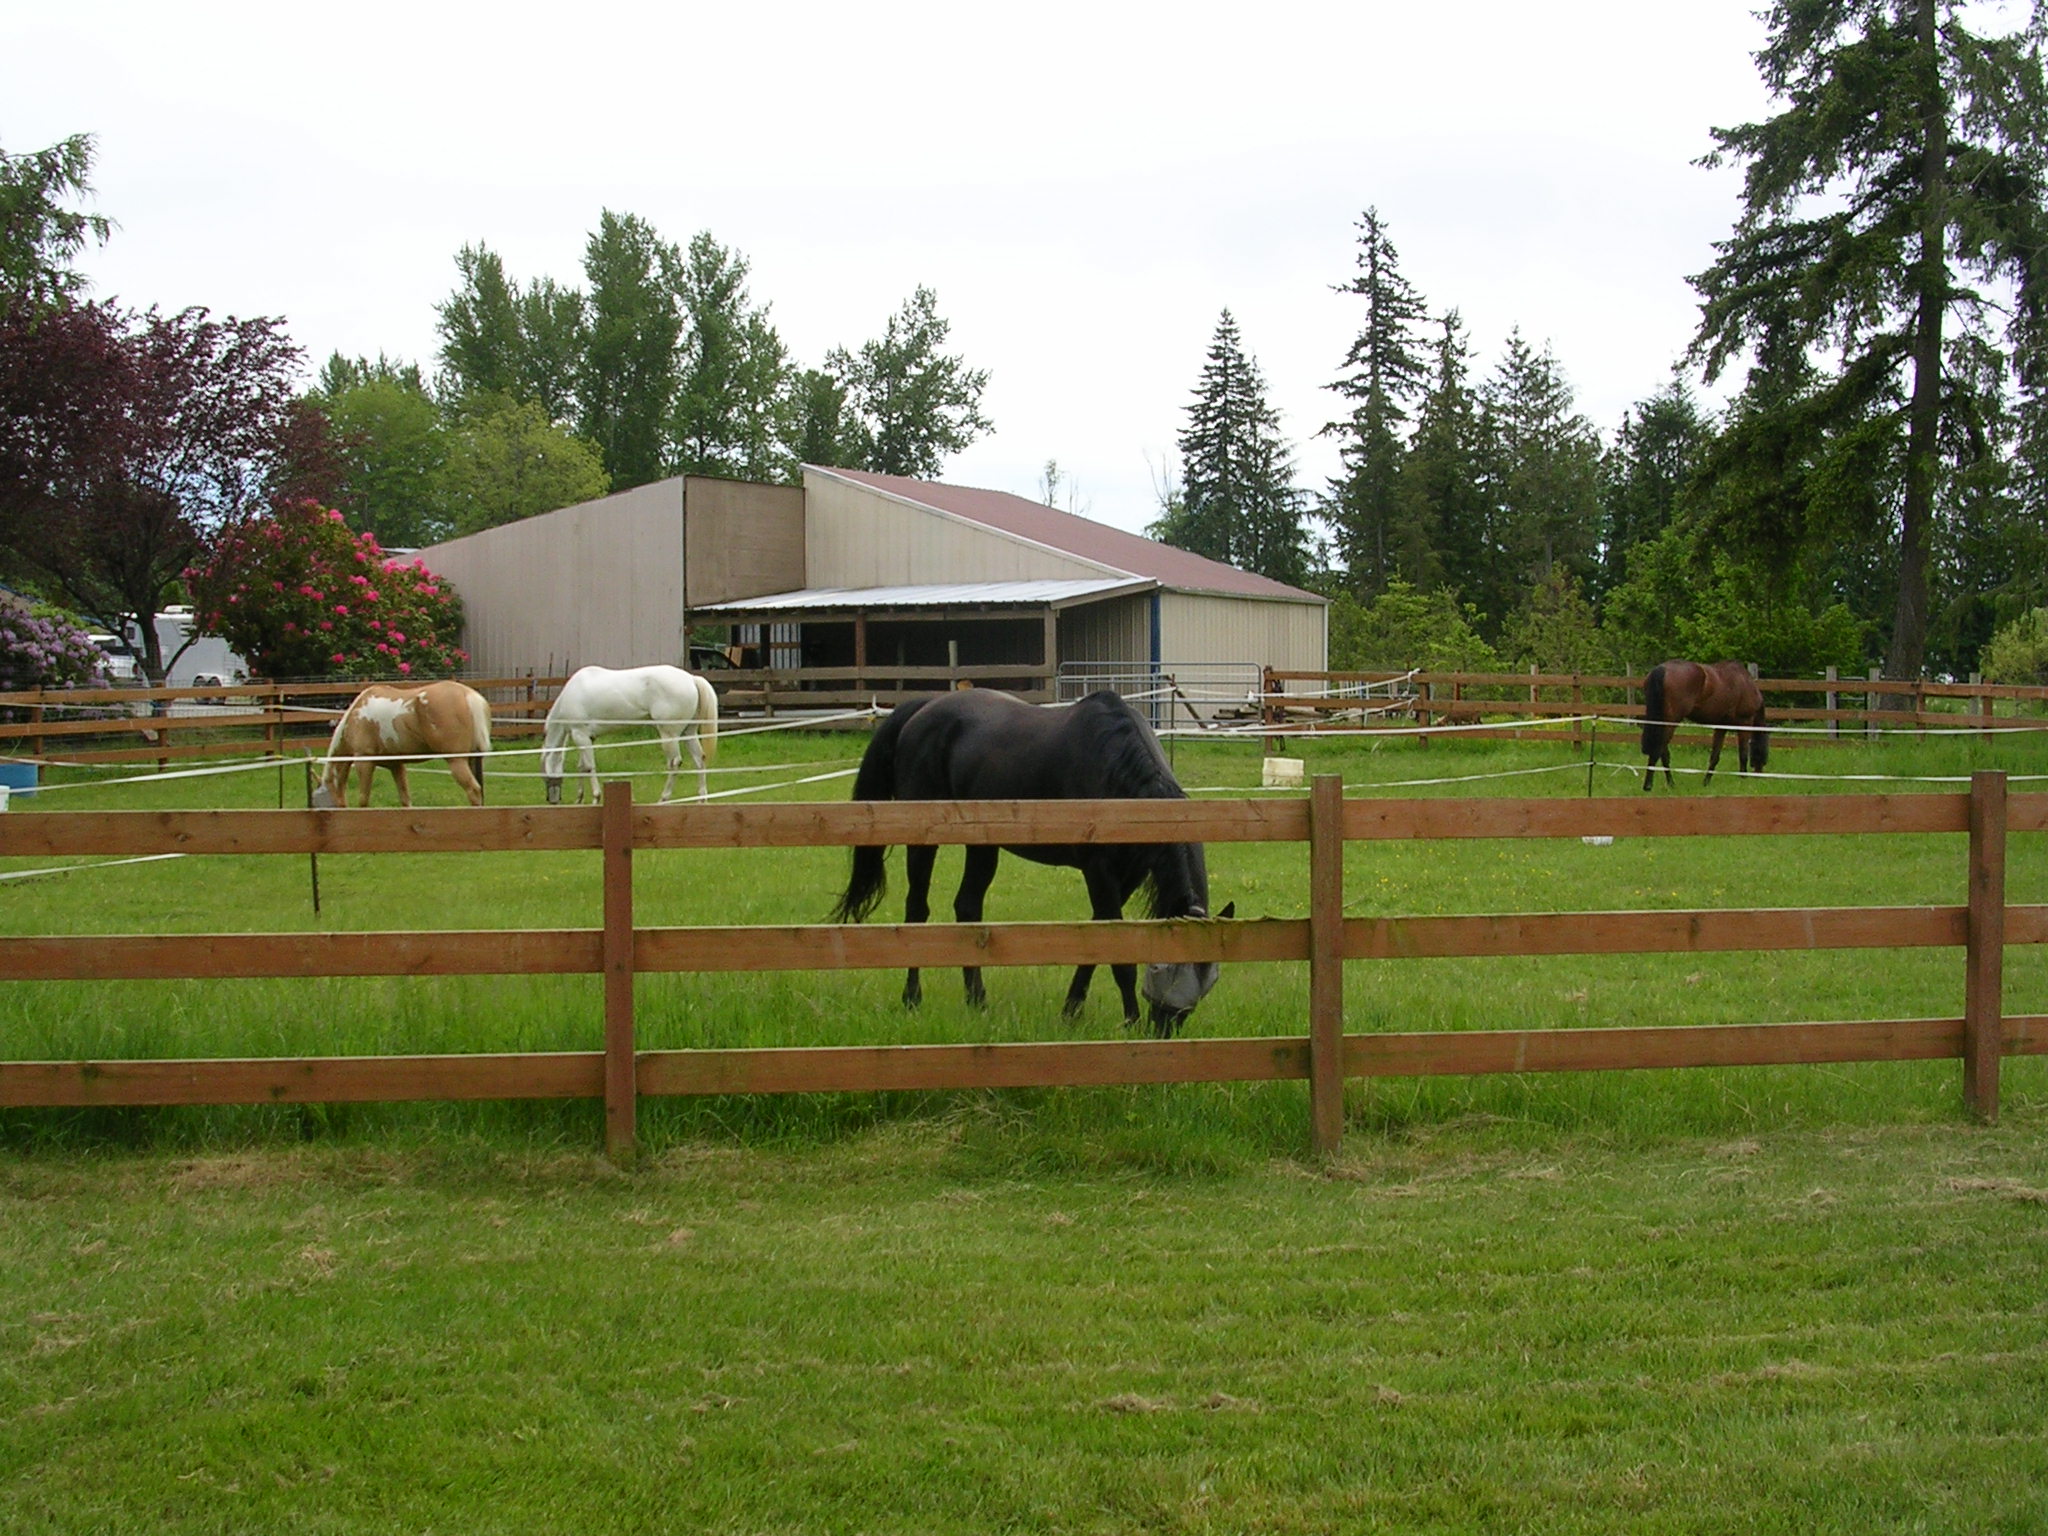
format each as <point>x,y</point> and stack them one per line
<point>1325,1056</point>
<point>1296,699</point>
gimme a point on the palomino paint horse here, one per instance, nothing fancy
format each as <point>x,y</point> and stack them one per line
<point>1723,695</point>
<point>978,744</point>
<point>599,699</point>
<point>391,725</point>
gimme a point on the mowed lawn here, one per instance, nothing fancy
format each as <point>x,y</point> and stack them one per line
<point>917,1329</point>
<point>1778,1299</point>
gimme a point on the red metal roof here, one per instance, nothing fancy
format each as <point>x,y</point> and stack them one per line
<point>1080,536</point>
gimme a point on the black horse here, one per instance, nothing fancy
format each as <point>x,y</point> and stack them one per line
<point>1723,695</point>
<point>976,744</point>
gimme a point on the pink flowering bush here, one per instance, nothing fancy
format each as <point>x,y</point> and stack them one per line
<point>301,595</point>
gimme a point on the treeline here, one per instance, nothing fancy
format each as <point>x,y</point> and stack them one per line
<point>661,364</point>
<point>1871,495</point>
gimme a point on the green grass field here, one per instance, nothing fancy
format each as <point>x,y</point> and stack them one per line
<point>1788,1299</point>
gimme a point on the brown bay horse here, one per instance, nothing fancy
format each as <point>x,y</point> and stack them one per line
<point>391,725</point>
<point>1723,695</point>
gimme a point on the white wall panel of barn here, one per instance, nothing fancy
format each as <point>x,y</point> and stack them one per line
<point>1197,626</point>
<point>1117,632</point>
<point>855,536</point>
<point>601,582</point>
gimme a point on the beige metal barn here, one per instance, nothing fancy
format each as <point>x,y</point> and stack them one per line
<point>864,581</point>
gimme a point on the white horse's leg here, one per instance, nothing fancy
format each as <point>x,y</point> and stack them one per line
<point>668,733</point>
<point>697,757</point>
<point>588,759</point>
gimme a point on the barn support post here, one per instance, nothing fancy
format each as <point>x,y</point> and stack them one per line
<point>1984,978</point>
<point>620,1088</point>
<point>1326,961</point>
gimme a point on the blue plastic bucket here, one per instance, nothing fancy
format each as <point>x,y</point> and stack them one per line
<point>17,779</point>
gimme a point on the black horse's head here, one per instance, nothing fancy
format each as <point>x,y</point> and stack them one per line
<point>1173,987</point>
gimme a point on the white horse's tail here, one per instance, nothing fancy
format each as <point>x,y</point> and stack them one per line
<point>707,717</point>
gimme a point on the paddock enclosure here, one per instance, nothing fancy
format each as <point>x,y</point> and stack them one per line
<point>1324,1053</point>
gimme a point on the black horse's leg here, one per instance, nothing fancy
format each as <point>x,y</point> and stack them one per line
<point>1714,756</point>
<point>917,906</point>
<point>981,869</point>
<point>1105,901</point>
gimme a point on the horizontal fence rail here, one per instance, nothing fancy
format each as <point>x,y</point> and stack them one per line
<point>90,725</point>
<point>1327,939</point>
<point>1294,700</point>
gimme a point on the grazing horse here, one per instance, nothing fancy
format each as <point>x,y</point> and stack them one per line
<point>392,725</point>
<point>599,699</point>
<point>1723,695</point>
<point>978,744</point>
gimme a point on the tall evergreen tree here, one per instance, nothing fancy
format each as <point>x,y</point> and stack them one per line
<point>1383,373</point>
<point>732,395</point>
<point>916,403</point>
<point>1656,453</point>
<point>627,382</point>
<point>1443,510</point>
<point>1543,469</point>
<point>1238,501</point>
<point>1900,183</point>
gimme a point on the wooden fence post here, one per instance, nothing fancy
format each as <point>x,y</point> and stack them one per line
<point>1326,961</point>
<point>620,1088</point>
<point>1871,699</point>
<point>1984,978</point>
<point>1834,725</point>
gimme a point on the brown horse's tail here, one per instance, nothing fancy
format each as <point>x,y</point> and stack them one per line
<point>480,735</point>
<point>1653,708</point>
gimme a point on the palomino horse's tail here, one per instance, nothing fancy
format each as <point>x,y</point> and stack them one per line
<point>707,717</point>
<point>1653,707</point>
<point>480,734</point>
<point>876,780</point>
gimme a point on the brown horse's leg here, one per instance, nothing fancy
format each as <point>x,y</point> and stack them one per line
<point>1660,749</point>
<point>404,789</point>
<point>466,777</point>
<point>1714,757</point>
<point>365,773</point>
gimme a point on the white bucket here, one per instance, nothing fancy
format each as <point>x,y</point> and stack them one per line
<point>1597,842</point>
<point>1283,773</point>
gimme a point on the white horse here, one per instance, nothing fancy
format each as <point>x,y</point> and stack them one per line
<point>600,699</point>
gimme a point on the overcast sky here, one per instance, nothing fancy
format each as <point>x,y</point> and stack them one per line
<point>1086,186</point>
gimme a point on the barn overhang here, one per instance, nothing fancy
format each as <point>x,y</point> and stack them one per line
<point>1010,627</point>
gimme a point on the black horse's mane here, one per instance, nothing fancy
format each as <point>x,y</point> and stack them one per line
<point>1133,768</point>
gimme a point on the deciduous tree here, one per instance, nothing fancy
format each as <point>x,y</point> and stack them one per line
<point>915,402</point>
<point>127,442</point>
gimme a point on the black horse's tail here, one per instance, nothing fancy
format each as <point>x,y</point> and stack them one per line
<point>876,780</point>
<point>1653,707</point>
<point>1759,743</point>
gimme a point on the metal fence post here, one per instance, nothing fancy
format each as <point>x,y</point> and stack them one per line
<point>1326,960</point>
<point>1984,978</point>
<point>620,1087</point>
